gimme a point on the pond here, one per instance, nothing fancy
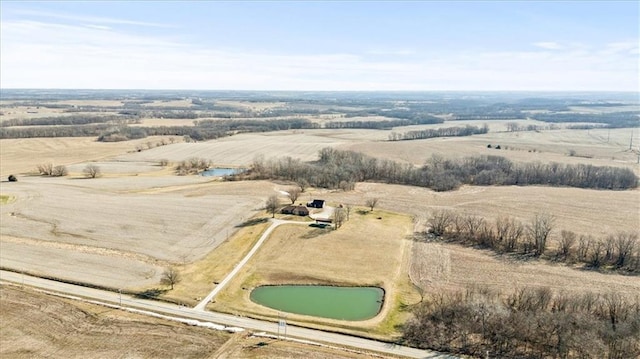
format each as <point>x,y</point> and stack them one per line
<point>345,303</point>
<point>219,172</point>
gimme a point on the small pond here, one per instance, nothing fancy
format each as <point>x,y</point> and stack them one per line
<point>345,303</point>
<point>219,172</point>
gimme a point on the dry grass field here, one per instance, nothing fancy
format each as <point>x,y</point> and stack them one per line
<point>371,249</point>
<point>37,325</point>
<point>598,147</point>
<point>123,229</point>
<point>24,155</point>
<point>439,267</point>
<point>241,150</point>
<point>583,211</point>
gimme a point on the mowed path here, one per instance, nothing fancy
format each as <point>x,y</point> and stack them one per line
<point>274,223</point>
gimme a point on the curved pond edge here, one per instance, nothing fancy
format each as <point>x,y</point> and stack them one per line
<point>379,303</point>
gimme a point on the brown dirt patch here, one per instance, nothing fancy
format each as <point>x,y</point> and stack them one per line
<point>33,324</point>
<point>38,325</point>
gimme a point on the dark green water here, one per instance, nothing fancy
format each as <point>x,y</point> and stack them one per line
<point>346,303</point>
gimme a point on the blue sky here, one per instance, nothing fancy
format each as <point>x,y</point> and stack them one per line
<point>321,45</point>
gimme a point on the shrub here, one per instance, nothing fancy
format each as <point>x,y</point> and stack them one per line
<point>59,171</point>
<point>13,178</point>
<point>92,171</point>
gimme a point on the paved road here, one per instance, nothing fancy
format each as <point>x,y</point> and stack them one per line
<point>213,317</point>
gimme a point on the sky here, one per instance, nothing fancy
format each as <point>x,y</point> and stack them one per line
<point>321,45</point>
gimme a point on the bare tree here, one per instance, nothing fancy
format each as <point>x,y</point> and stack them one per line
<point>584,245</point>
<point>45,169</point>
<point>372,202</point>
<point>596,255</point>
<point>59,171</point>
<point>171,277</point>
<point>538,232</point>
<point>303,183</point>
<point>567,240</point>
<point>440,221</point>
<point>339,217</point>
<point>508,233</point>
<point>625,243</point>
<point>348,208</point>
<point>272,205</point>
<point>92,171</point>
<point>472,225</point>
<point>293,193</point>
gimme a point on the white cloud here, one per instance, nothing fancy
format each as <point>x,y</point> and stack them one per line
<point>47,55</point>
<point>89,19</point>
<point>548,45</point>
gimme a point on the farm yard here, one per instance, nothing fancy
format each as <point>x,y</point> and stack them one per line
<point>123,229</point>
<point>371,249</point>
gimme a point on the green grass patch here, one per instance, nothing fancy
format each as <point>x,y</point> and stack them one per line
<point>5,199</point>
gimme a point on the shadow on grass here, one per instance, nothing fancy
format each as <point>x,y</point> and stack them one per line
<point>252,222</point>
<point>150,293</point>
<point>316,232</point>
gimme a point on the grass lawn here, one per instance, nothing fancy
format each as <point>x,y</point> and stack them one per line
<point>371,249</point>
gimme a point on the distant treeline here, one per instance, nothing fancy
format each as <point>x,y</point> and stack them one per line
<point>419,116</point>
<point>527,323</point>
<point>515,127</point>
<point>91,130</point>
<point>336,169</point>
<point>384,124</point>
<point>439,132</point>
<point>611,120</point>
<point>212,129</point>
<point>68,120</point>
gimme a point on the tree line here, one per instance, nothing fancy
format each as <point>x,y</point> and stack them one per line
<point>67,120</point>
<point>384,124</point>
<point>506,235</point>
<point>439,132</point>
<point>526,323</point>
<point>90,130</point>
<point>611,120</point>
<point>336,167</point>
<point>515,127</point>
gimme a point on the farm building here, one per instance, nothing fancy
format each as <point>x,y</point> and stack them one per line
<point>317,203</point>
<point>297,210</point>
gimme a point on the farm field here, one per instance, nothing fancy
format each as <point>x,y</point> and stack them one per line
<point>28,318</point>
<point>241,150</point>
<point>439,267</point>
<point>121,221</point>
<point>24,155</point>
<point>581,210</point>
<point>125,228</point>
<point>597,147</point>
